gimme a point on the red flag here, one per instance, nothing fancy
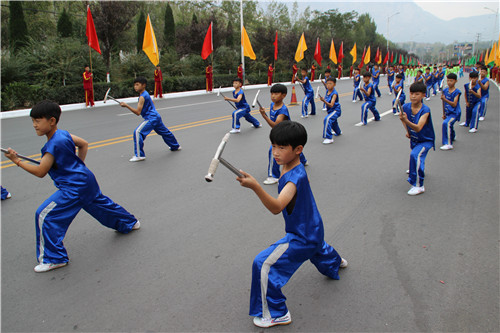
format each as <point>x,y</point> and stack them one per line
<point>392,57</point>
<point>208,45</point>
<point>341,53</point>
<point>276,46</point>
<point>481,57</point>
<point>90,32</point>
<point>317,53</point>
<point>386,59</point>
<point>362,59</point>
<point>377,56</point>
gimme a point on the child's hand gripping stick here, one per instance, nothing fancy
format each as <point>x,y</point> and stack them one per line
<point>21,156</point>
<point>219,93</point>
<point>256,100</point>
<point>110,97</point>
<point>398,102</point>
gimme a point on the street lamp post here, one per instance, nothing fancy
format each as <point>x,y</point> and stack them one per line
<point>388,18</point>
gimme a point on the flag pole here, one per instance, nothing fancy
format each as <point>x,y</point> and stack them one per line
<point>274,58</point>
<point>241,39</point>
<point>91,72</point>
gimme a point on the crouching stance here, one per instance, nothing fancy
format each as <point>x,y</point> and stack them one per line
<point>304,239</point>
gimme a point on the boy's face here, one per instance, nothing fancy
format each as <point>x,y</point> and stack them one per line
<point>451,82</point>
<point>366,79</point>
<point>416,97</point>
<point>285,154</point>
<point>398,79</point>
<point>473,80</point>
<point>43,126</point>
<point>87,69</point>
<point>484,73</point>
<point>277,97</point>
<point>427,71</point>
<point>327,75</point>
<point>303,72</point>
<point>138,87</point>
<point>236,84</point>
<point>391,68</point>
<point>330,85</point>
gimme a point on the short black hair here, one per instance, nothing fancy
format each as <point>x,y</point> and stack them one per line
<point>328,70</point>
<point>46,109</point>
<point>279,88</point>
<point>418,87</point>
<point>334,80</point>
<point>420,71</point>
<point>141,80</point>
<point>238,79</point>
<point>399,76</point>
<point>367,74</point>
<point>304,69</point>
<point>428,68</point>
<point>288,133</point>
<point>452,76</point>
<point>473,75</point>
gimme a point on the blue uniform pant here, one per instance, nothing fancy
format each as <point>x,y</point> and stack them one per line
<point>4,193</point>
<point>435,87</point>
<point>53,217</point>
<point>376,90</point>
<point>484,106</point>
<point>245,113</point>
<point>330,125</point>
<point>273,267</point>
<point>364,112</point>
<point>357,93</point>
<point>448,131</point>
<point>389,83</point>
<point>273,168</point>
<point>428,91</point>
<point>142,131</point>
<point>472,115</point>
<point>309,98</point>
<point>417,162</point>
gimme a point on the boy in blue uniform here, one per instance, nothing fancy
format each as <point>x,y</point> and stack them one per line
<point>472,102</point>
<point>242,107</point>
<point>419,78</point>
<point>451,111</point>
<point>152,121</point>
<point>417,121</point>
<point>484,82</point>
<point>390,78</point>
<point>309,95</point>
<point>330,123</point>
<point>376,79</point>
<point>435,81</point>
<point>428,78</point>
<point>370,101</point>
<point>441,73</point>
<point>398,86</point>
<point>304,239</point>
<point>77,189</point>
<point>328,73</point>
<point>356,82</point>
<point>278,112</point>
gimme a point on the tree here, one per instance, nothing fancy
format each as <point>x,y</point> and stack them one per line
<point>141,26</point>
<point>230,34</point>
<point>169,28</point>
<point>64,25</point>
<point>18,31</point>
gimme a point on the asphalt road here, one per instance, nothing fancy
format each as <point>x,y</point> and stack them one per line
<point>424,263</point>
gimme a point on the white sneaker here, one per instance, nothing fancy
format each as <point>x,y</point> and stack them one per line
<point>40,268</point>
<point>327,141</point>
<point>137,225</point>
<point>337,134</point>
<point>343,263</point>
<point>137,159</point>
<point>390,93</point>
<point>407,172</point>
<point>180,148</point>
<point>235,130</point>
<point>428,98</point>
<point>416,190</point>
<point>354,101</point>
<point>269,322</point>
<point>8,196</point>
<point>324,109</point>
<point>481,118</point>
<point>433,94</point>
<point>260,125</point>
<point>446,147</point>
<point>472,130</point>
<point>462,124</point>
<point>270,181</point>
<point>306,164</point>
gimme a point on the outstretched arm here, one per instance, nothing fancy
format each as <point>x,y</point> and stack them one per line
<point>139,106</point>
<point>39,170</point>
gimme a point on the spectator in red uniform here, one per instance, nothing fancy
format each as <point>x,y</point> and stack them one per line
<point>270,71</point>
<point>209,76</point>
<point>158,80</point>
<point>240,71</point>
<point>88,86</point>
<point>313,71</point>
<point>294,69</point>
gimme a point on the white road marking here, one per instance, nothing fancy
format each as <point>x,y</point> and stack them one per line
<point>373,118</point>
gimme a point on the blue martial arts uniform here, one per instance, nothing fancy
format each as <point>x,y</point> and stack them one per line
<point>308,98</point>
<point>420,143</point>
<point>369,104</point>
<point>485,95</point>
<point>304,240</point>
<point>330,123</point>
<point>472,113</point>
<point>242,110</point>
<point>356,93</point>
<point>77,189</point>
<point>452,115</point>
<point>273,168</point>
<point>152,121</point>
<point>402,97</point>
<point>376,81</point>
<point>428,84</point>
<point>390,79</point>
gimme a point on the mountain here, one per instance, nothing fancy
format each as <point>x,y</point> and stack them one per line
<point>413,23</point>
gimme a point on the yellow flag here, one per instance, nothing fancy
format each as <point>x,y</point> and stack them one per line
<point>497,60</point>
<point>493,54</point>
<point>333,54</point>
<point>247,47</point>
<point>149,45</point>
<point>367,56</point>
<point>301,48</point>
<point>354,54</point>
<point>486,57</point>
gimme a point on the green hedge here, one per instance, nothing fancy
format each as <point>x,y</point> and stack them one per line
<point>21,95</point>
